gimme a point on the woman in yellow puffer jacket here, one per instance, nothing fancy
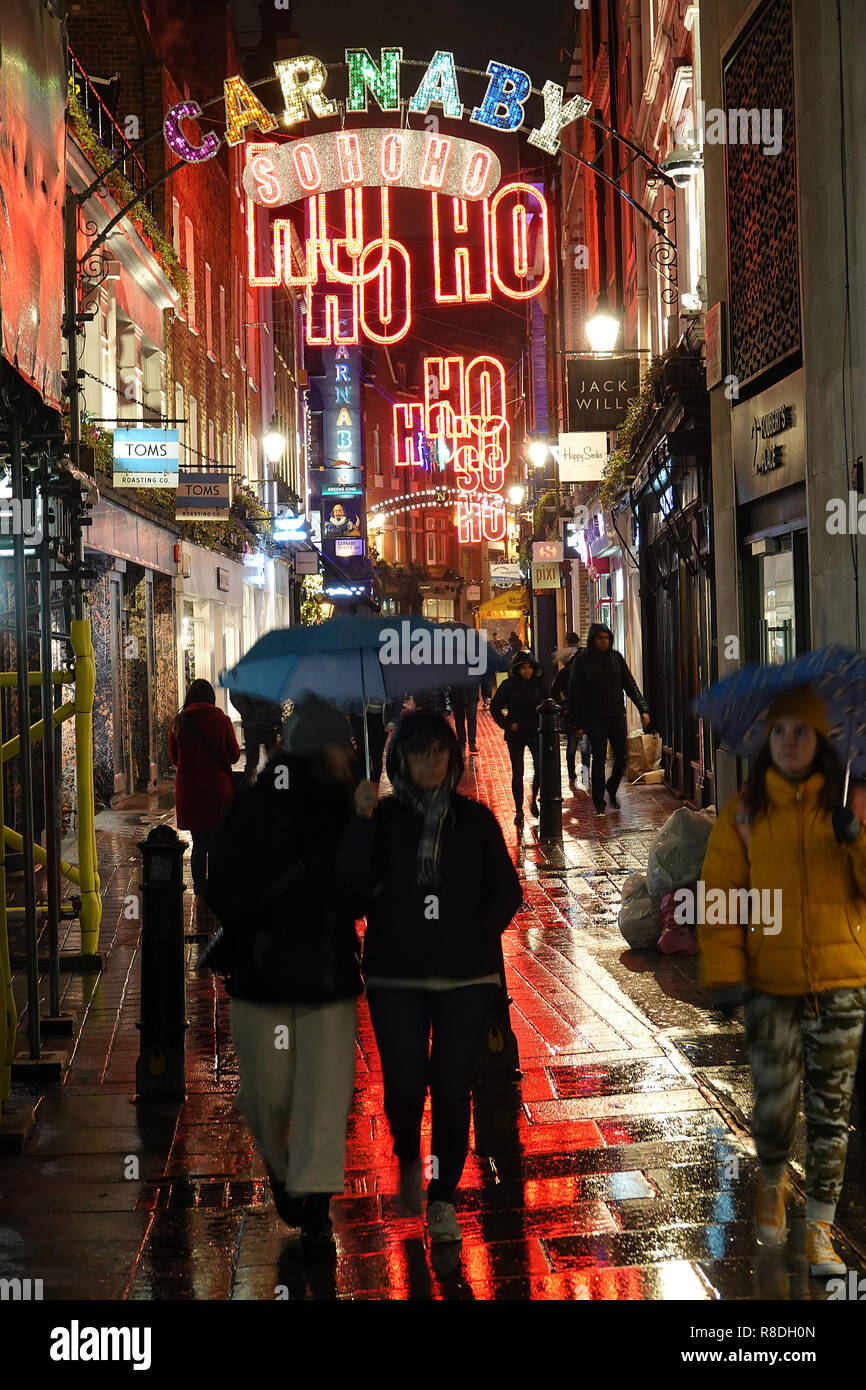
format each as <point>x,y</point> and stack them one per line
<point>794,954</point>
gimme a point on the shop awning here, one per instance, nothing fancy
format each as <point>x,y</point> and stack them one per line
<point>513,603</point>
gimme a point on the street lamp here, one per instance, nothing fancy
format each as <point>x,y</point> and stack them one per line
<point>602,329</point>
<point>274,443</point>
<point>538,452</point>
<point>516,494</point>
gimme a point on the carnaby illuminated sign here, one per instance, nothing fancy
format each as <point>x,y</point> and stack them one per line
<point>303,80</point>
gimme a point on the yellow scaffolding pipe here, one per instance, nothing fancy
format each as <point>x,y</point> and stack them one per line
<point>10,749</point>
<point>15,841</point>
<point>88,877</point>
<point>35,678</point>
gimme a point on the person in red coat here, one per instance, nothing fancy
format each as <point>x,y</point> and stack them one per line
<point>202,745</point>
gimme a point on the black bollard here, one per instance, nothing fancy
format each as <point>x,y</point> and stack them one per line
<point>160,1072</point>
<point>550,772</point>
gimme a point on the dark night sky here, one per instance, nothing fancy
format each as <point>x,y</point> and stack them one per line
<point>525,34</point>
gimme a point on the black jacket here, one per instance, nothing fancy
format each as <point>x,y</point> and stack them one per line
<point>289,935</point>
<point>559,690</point>
<point>521,699</point>
<point>416,932</point>
<point>599,683</point>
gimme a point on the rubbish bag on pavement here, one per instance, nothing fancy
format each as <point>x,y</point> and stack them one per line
<point>639,920</point>
<point>677,938</point>
<point>643,753</point>
<point>677,852</point>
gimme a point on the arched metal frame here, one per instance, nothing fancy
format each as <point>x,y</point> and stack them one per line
<point>662,254</point>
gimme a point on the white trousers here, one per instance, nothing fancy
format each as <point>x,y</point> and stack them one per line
<point>297,1076</point>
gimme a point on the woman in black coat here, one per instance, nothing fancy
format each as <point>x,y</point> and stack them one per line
<point>441,889</point>
<point>290,950</point>
<point>515,709</point>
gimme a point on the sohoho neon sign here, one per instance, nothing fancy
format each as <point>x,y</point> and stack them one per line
<point>303,81</point>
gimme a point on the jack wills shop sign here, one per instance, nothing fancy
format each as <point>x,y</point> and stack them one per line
<point>599,391</point>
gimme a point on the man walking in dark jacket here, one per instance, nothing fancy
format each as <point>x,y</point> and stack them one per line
<point>600,680</point>
<point>515,709</point>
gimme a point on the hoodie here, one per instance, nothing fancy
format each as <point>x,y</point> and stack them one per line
<point>600,681</point>
<point>516,701</point>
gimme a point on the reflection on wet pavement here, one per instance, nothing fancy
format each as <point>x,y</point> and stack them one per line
<point>618,1167</point>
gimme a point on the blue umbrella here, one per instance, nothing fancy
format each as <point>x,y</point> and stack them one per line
<point>363,659</point>
<point>738,705</point>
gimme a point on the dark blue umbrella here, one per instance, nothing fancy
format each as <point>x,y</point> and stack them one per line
<point>362,660</point>
<point>738,705</point>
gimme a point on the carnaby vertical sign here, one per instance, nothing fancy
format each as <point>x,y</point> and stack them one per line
<point>599,391</point>
<point>342,503</point>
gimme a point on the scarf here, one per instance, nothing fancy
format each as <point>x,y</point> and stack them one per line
<point>433,805</point>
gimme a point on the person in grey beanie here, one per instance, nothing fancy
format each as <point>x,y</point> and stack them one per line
<point>290,953</point>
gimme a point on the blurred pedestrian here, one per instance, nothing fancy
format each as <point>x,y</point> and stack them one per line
<point>440,890</point>
<point>293,967</point>
<point>515,643</point>
<point>203,747</point>
<point>262,722</point>
<point>599,683</point>
<point>515,709</point>
<point>464,707</point>
<point>801,977</point>
<point>559,692</point>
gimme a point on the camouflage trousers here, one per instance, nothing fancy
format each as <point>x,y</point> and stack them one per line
<point>817,1037</point>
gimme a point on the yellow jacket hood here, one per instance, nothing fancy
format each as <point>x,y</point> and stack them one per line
<point>807,932</point>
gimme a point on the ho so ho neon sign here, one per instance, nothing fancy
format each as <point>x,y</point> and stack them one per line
<point>481,241</point>
<point>464,405</point>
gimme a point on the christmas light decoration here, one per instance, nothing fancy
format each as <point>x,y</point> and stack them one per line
<point>177,141</point>
<point>262,170</point>
<point>386,296</point>
<point>384,82</point>
<point>243,109</point>
<point>393,152</point>
<point>472,278</point>
<point>438,87</point>
<point>506,93</point>
<point>302,81</point>
<point>333,333</point>
<point>307,169</point>
<point>408,421</point>
<point>435,162</point>
<point>374,158</point>
<point>500,206</point>
<point>556,117</point>
<point>476,180</point>
<point>349,155</point>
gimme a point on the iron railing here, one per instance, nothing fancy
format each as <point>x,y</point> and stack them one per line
<point>109,133</point>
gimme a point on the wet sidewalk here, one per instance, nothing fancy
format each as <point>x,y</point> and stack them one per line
<point>622,1169</point>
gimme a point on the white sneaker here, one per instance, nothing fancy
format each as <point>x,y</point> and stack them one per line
<point>442,1222</point>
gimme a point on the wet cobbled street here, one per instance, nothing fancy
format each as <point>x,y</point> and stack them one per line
<point>619,1167</point>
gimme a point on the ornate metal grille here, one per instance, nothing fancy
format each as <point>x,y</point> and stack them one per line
<point>762,197</point>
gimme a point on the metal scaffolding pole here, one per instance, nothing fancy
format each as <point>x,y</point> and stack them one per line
<point>49,749</point>
<point>25,761</point>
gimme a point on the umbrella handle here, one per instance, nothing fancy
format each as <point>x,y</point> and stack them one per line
<point>364,716</point>
<point>847,781</point>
